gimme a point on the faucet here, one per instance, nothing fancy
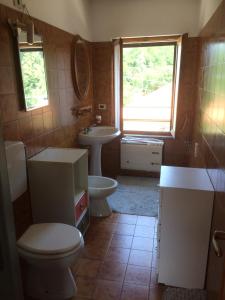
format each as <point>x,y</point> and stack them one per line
<point>86,130</point>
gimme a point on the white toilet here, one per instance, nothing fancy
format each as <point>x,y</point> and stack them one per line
<point>48,249</point>
<point>99,189</point>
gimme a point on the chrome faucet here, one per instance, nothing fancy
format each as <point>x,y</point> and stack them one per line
<point>86,130</point>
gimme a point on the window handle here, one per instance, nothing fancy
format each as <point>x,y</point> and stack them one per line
<point>218,235</point>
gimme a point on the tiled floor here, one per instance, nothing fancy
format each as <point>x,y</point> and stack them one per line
<point>119,260</point>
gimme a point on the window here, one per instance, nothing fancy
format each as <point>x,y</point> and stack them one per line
<point>149,71</point>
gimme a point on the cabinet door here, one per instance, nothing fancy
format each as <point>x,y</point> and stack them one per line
<point>184,238</point>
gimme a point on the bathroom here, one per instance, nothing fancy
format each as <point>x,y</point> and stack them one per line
<point>200,96</point>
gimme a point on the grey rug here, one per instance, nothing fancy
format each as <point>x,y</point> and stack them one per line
<point>184,294</point>
<point>136,196</point>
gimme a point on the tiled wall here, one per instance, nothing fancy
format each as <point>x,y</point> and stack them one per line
<point>53,125</point>
<point>210,124</point>
<point>176,151</point>
<point>103,80</point>
<point>103,94</point>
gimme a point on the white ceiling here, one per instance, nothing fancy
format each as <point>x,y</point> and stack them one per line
<point>101,20</point>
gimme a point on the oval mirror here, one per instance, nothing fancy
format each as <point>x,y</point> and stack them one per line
<point>80,67</point>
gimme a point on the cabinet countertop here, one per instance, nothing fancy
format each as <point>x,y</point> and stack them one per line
<point>185,178</point>
<point>59,155</point>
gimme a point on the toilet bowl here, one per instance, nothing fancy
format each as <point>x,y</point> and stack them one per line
<point>49,250</point>
<point>99,189</point>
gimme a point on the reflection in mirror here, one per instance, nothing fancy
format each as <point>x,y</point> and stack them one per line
<point>80,67</point>
<point>33,73</point>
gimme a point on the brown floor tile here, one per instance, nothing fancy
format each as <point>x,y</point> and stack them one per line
<point>94,252</point>
<point>104,228</point>
<point>144,231</point>
<point>113,218</point>
<point>125,229</point>
<point>87,268</point>
<point>146,221</point>
<point>117,255</point>
<point>85,287</point>
<point>107,290</point>
<point>112,271</point>
<point>80,298</point>
<point>140,258</point>
<point>98,240</point>
<point>122,241</point>
<point>137,275</point>
<point>141,243</point>
<point>134,292</point>
<point>154,278</point>
<point>97,237</point>
<point>154,260</point>
<point>127,219</point>
<point>156,293</point>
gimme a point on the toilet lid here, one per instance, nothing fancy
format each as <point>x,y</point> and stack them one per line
<point>50,238</point>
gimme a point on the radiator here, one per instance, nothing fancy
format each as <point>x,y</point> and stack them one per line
<point>141,154</point>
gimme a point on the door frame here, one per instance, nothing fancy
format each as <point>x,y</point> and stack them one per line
<point>10,277</point>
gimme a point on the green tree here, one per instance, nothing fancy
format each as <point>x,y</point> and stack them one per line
<point>33,73</point>
<point>145,69</point>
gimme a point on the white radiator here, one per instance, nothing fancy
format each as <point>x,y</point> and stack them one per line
<point>141,154</point>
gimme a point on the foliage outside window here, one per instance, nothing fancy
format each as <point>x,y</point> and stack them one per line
<point>34,79</point>
<point>148,87</point>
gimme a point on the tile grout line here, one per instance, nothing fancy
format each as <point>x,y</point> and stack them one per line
<point>112,234</point>
<point>126,267</point>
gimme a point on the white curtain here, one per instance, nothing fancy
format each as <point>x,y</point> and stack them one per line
<point>117,81</point>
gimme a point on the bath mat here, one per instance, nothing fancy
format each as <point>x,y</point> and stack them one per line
<point>184,294</point>
<point>136,196</point>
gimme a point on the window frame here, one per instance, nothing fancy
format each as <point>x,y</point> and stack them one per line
<point>155,41</point>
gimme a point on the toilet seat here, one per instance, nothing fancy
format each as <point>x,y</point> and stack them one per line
<point>25,253</point>
<point>50,239</point>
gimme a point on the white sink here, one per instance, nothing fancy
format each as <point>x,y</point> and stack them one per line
<point>96,136</point>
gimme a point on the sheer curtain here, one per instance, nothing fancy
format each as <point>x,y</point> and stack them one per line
<point>117,81</point>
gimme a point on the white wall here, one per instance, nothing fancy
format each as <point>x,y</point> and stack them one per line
<point>102,20</point>
<point>70,15</point>
<point>116,18</point>
<point>207,9</point>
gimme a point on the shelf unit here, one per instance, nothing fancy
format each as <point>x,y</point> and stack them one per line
<point>58,179</point>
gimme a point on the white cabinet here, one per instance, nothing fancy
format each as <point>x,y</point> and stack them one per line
<point>58,180</point>
<point>185,213</point>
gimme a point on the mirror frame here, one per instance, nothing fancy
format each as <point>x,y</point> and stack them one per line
<point>74,71</point>
<point>15,28</point>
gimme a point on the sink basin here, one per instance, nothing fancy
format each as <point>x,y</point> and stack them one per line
<point>98,135</point>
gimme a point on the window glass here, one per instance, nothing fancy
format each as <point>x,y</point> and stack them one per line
<point>148,78</point>
<point>34,78</point>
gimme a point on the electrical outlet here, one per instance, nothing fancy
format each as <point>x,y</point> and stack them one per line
<point>102,106</point>
<point>196,150</point>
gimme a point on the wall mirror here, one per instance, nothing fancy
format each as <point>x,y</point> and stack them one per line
<point>81,70</point>
<point>33,71</point>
